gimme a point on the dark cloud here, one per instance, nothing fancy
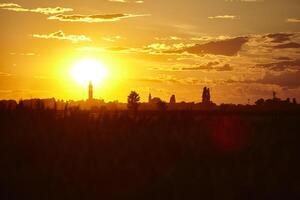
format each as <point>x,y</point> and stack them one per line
<point>283,58</point>
<point>280,66</point>
<point>210,66</point>
<point>280,37</point>
<point>229,47</point>
<point>290,45</point>
<point>92,18</point>
<point>289,80</point>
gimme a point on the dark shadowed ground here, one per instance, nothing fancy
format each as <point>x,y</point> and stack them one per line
<point>154,155</point>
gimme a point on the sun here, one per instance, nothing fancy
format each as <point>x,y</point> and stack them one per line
<point>87,70</point>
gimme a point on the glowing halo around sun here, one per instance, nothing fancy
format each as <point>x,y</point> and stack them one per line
<point>87,70</point>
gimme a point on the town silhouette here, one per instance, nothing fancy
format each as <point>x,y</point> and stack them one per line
<point>150,100</point>
<point>155,150</point>
<point>154,103</point>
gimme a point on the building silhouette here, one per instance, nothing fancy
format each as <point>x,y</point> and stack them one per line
<point>90,90</point>
<point>153,100</point>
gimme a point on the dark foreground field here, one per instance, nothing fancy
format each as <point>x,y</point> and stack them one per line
<point>155,155</point>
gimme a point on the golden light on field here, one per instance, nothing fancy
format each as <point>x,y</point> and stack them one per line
<point>89,69</point>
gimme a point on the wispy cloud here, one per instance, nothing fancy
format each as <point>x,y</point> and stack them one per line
<point>93,18</point>
<point>175,38</point>
<point>245,1</point>
<point>5,74</point>
<point>60,35</point>
<point>223,17</point>
<point>126,1</point>
<point>112,38</point>
<point>22,54</point>
<point>293,20</point>
<point>5,5</point>
<point>46,11</point>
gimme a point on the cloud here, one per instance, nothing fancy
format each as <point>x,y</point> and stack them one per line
<point>245,1</point>
<point>207,66</point>
<point>112,38</point>
<point>169,79</point>
<point>126,1</point>
<point>5,74</point>
<point>119,1</point>
<point>288,80</point>
<point>282,65</point>
<point>46,11</point>
<point>164,47</point>
<point>283,58</point>
<point>93,18</point>
<point>4,5</point>
<point>60,35</point>
<point>228,47</point>
<point>280,37</point>
<point>293,20</point>
<point>290,45</point>
<point>224,68</point>
<point>207,38</point>
<point>170,38</point>
<point>266,49</point>
<point>22,54</point>
<point>223,17</point>
<point>114,49</point>
<point>215,65</point>
<point>57,13</point>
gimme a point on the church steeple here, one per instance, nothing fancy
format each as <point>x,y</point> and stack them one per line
<point>90,90</point>
<point>149,98</point>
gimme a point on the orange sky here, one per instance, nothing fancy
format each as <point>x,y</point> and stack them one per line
<point>241,49</point>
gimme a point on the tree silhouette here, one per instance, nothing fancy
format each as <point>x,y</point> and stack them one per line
<point>173,99</point>
<point>133,101</point>
<point>260,102</point>
<point>294,101</point>
<point>204,94</point>
<point>208,95</point>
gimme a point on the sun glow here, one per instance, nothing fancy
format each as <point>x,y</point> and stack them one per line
<point>87,70</point>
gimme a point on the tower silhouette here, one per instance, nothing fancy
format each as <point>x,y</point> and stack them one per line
<point>149,98</point>
<point>90,90</point>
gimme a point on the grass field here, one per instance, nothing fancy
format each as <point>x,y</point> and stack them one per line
<point>152,155</point>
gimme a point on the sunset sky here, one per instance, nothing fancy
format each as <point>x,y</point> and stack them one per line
<point>241,49</point>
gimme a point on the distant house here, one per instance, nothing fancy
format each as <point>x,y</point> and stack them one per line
<point>154,100</point>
